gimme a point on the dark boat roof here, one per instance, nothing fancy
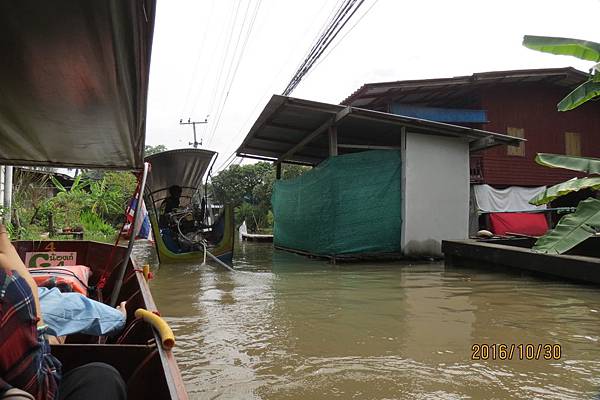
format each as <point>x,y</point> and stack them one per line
<point>183,167</point>
<point>74,81</point>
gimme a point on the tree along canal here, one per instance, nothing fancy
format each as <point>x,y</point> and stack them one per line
<point>286,327</point>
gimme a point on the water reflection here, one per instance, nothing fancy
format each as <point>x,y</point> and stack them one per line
<point>286,327</point>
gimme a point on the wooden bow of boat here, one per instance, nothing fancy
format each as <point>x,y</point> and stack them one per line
<point>149,370</point>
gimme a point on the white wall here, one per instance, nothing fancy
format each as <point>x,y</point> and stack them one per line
<point>436,192</point>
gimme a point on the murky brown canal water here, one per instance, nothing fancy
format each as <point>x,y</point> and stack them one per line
<point>286,327</point>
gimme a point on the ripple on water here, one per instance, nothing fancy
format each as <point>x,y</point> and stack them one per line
<point>288,328</point>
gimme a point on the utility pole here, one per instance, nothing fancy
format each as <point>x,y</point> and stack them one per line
<point>193,123</point>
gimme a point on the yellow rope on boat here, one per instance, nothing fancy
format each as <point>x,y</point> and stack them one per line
<point>164,331</point>
<point>146,271</point>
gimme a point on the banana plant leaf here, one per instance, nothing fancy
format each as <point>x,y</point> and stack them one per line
<point>582,93</point>
<point>588,165</point>
<point>564,46</point>
<point>572,229</point>
<point>572,185</point>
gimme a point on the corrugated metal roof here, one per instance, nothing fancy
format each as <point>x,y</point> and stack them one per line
<point>372,95</point>
<point>293,130</point>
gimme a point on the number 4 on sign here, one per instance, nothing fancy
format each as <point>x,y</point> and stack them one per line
<point>50,247</point>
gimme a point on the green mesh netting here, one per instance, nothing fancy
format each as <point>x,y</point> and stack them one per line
<point>348,204</point>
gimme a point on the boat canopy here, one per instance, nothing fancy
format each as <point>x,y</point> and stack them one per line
<point>184,167</point>
<point>74,81</point>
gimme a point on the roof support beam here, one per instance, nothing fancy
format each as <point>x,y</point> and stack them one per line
<point>367,147</point>
<point>481,143</point>
<point>283,126</point>
<point>314,134</point>
<point>244,155</point>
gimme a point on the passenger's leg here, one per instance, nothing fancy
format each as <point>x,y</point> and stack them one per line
<point>92,381</point>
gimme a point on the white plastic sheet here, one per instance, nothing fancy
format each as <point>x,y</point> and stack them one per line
<point>511,199</point>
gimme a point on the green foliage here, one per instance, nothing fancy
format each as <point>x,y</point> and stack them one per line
<point>94,224</point>
<point>110,195</point>
<point>582,49</point>
<point>564,188</point>
<point>588,165</point>
<point>149,150</point>
<point>586,91</point>
<point>577,48</point>
<point>248,188</point>
<point>96,201</point>
<point>572,229</point>
<point>235,184</point>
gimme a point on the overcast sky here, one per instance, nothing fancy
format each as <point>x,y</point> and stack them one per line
<point>198,43</point>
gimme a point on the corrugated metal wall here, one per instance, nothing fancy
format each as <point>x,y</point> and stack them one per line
<point>532,107</point>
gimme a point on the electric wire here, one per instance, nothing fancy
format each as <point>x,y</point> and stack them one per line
<point>198,57</point>
<point>227,40</point>
<point>274,82</point>
<point>224,58</point>
<point>236,67</point>
<point>335,26</point>
<point>326,32</point>
<point>335,16</point>
<point>345,34</point>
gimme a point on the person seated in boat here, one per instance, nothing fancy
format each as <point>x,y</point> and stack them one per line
<point>27,367</point>
<point>172,201</point>
<point>71,312</point>
<point>169,205</point>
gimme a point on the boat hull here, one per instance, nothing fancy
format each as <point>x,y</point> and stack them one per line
<point>149,370</point>
<point>222,250</point>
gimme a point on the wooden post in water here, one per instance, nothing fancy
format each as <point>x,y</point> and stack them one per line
<point>278,170</point>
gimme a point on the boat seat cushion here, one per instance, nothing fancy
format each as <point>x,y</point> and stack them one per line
<point>73,278</point>
<point>532,224</point>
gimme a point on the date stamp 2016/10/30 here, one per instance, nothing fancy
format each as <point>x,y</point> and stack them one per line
<point>522,351</point>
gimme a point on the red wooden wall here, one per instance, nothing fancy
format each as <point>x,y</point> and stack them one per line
<point>533,108</point>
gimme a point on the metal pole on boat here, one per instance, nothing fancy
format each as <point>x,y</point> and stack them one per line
<point>8,178</point>
<point>136,223</point>
<point>2,185</point>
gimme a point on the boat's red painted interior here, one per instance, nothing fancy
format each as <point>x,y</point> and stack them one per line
<point>148,370</point>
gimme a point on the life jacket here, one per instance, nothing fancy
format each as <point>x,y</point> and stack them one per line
<point>73,278</point>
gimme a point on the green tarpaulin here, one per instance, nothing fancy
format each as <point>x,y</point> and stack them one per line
<point>349,204</point>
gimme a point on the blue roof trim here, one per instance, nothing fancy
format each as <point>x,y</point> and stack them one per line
<point>440,114</point>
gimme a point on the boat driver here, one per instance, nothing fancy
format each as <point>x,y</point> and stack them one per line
<point>172,201</point>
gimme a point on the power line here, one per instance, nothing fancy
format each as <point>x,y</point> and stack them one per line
<point>213,97</point>
<point>346,34</point>
<point>327,34</point>
<point>235,69</point>
<point>200,51</point>
<point>335,25</point>
<point>214,60</point>
<point>275,80</point>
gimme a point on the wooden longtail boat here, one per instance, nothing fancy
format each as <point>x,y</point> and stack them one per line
<point>149,370</point>
<point>179,236</point>
<point>74,78</point>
